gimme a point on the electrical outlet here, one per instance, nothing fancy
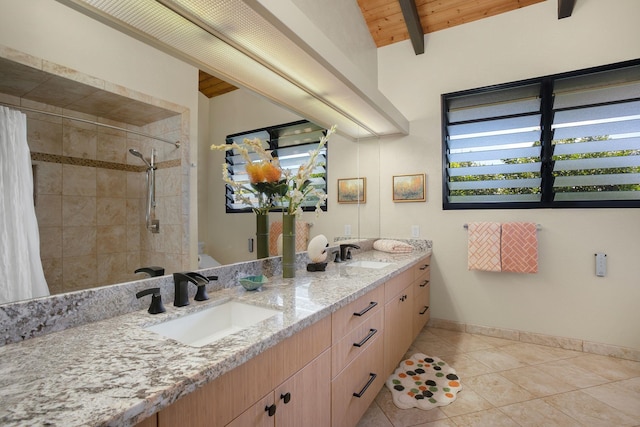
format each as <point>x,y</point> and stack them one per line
<point>415,231</point>
<point>601,264</point>
<point>347,229</point>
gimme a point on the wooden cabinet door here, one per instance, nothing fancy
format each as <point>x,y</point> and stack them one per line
<point>258,415</point>
<point>152,421</point>
<point>305,398</point>
<point>398,328</point>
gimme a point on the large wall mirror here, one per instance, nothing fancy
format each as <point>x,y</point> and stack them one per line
<point>91,194</point>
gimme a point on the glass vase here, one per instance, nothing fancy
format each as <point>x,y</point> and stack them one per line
<point>288,246</point>
<point>262,235</point>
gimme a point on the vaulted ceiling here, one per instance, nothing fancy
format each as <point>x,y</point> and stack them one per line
<point>392,21</point>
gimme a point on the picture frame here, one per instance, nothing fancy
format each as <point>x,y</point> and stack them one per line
<point>410,188</point>
<point>352,190</point>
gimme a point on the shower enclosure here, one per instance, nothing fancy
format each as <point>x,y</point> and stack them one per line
<point>153,224</point>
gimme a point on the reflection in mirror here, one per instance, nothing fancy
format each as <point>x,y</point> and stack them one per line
<point>90,192</point>
<point>226,236</point>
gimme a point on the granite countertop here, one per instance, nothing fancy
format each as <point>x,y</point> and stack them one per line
<point>114,373</point>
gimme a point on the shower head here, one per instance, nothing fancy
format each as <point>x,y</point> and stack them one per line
<point>138,154</point>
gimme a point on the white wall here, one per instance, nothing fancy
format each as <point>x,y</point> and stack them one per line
<point>565,298</point>
<point>51,31</point>
<point>225,234</point>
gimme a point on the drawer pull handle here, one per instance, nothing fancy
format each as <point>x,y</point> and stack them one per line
<point>426,307</point>
<point>286,397</point>
<point>372,378</point>
<point>424,267</point>
<point>364,311</point>
<point>403,298</point>
<point>425,283</point>
<point>271,410</point>
<point>371,333</point>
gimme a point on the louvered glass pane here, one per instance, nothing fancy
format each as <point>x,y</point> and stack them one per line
<point>597,96</point>
<point>531,137</point>
<point>495,169</point>
<point>493,97</point>
<point>597,196</point>
<point>495,110</point>
<point>598,163</point>
<point>495,198</point>
<point>613,112</point>
<point>494,155</point>
<point>495,127</point>
<point>596,88</point>
<point>597,146</point>
<point>598,129</point>
<point>495,184</point>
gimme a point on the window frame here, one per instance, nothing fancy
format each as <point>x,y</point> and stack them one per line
<point>546,139</point>
<point>272,131</point>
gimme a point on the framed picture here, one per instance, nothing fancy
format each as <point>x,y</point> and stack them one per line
<point>352,190</point>
<point>409,188</point>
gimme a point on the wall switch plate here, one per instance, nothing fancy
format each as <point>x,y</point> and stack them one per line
<point>601,264</point>
<point>347,229</point>
<point>415,231</point>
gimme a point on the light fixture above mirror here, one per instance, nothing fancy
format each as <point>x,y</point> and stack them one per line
<point>236,43</point>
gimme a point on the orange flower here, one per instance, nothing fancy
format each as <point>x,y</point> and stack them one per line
<point>271,172</point>
<point>263,172</point>
<point>255,172</point>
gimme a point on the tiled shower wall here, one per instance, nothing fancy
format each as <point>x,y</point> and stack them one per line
<point>91,195</point>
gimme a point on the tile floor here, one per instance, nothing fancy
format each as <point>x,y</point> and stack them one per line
<point>510,383</point>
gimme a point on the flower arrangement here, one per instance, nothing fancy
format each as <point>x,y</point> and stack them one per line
<point>270,185</point>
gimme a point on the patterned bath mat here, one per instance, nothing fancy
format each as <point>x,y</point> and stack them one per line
<point>423,382</point>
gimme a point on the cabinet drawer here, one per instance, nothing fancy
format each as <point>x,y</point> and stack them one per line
<point>397,284</point>
<point>356,342</point>
<point>422,268</point>
<point>355,313</point>
<point>347,409</point>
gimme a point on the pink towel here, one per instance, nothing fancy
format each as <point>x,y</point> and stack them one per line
<point>519,247</point>
<point>393,246</point>
<point>484,246</point>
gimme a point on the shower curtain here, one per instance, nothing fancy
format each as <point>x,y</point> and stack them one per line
<point>21,274</point>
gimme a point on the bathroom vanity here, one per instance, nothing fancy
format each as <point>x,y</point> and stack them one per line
<point>324,355</point>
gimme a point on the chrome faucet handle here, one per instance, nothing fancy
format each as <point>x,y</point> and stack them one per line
<point>156,300</point>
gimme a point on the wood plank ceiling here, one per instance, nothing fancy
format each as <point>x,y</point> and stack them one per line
<point>387,25</point>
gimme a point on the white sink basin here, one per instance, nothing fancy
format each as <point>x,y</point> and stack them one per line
<point>206,326</point>
<point>369,264</point>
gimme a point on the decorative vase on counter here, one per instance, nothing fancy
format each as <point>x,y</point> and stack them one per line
<point>288,246</point>
<point>262,235</point>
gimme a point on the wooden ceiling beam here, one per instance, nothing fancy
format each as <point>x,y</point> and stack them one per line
<point>565,8</point>
<point>412,20</point>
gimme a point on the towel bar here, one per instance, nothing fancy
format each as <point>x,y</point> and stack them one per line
<point>538,226</point>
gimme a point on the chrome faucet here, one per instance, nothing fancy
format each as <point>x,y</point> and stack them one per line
<point>181,282</point>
